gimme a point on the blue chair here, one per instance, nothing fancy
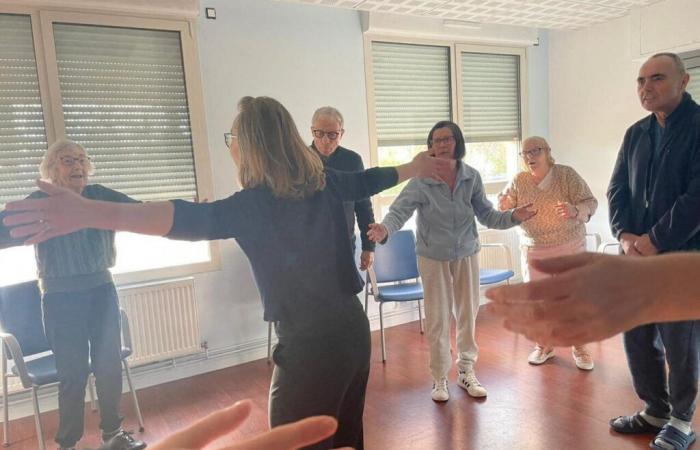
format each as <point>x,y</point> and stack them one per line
<point>394,276</point>
<point>24,342</point>
<point>493,276</point>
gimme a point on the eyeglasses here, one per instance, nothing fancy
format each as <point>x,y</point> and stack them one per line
<point>228,139</point>
<point>443,140</point>
<point>69,161</point>
<point>332,135</point>
<point>532,152</point>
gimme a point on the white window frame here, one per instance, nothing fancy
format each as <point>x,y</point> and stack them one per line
<point>42,20</point>
<point>455,48</point>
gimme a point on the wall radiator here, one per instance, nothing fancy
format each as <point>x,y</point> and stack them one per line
<point>163,319</point>
<point>490,258</point>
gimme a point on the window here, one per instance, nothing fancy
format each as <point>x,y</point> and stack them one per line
<point>692,65</point>
<point>411,93</point>
<point>23,139</point>
<point>128,99</point>
<point>413,85</point>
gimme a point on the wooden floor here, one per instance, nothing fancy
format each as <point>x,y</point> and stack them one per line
<point>554,406</point>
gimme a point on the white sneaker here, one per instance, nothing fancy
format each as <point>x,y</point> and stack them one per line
<point>582,358</point>
<point>467,380</point>
<point>440,392</point>
<point>540,355</point>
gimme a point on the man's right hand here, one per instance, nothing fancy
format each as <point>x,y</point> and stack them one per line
<point>627,241</point>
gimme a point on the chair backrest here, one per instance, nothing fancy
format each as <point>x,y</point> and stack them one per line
<point>20,315</point>
<point>396,260</point>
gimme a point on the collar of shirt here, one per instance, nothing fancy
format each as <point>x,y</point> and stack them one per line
<point>464,173</point>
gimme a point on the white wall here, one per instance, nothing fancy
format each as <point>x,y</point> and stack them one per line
<point>592,95</point>
<point>538,87</point>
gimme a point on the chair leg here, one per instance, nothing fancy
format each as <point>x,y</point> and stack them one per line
<point>91,391</point>
<point>420,317</point>
<point>366,297</point>
<point>5,404</point>
<point>134,398</point>
<point>37,418</point>
<point>381,330</point>
<point>269,342</point>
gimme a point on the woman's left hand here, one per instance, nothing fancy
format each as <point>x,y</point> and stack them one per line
<point>566,210</point>
<point>524,213</point>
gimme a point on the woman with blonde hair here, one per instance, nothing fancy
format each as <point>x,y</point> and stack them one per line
<point>289,221</point>
<point>564,203</point>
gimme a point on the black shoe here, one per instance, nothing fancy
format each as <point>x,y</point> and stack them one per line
<point>123,441</point>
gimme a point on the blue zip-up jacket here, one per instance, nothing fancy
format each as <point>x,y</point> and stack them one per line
<point>446,229</point>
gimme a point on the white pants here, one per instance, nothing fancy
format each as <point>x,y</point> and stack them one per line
<point>449,285</point>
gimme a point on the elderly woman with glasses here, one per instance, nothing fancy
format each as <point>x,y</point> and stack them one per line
<point>564,203</point>
<point>80,305</point>
<point>308,286</point>
<point>447,246</point>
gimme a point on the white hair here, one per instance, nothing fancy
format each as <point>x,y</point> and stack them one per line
<point>51,157</point>
<point>328,111</point>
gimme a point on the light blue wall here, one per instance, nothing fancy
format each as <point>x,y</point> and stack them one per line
<point>305,57</point>
<point>538,87</point>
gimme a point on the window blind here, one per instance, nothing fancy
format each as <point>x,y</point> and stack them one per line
<point>694,83</point>
<point>411,91</point>
<point>22,134</point>
<point>124,99</point>
<point>490,85</point>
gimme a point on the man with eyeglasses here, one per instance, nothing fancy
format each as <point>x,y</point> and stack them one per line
<point>654,198</point>
<point>327,130</point>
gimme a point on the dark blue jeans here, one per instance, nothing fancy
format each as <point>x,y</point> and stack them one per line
<point>648,349</point>
<point>83,328</point>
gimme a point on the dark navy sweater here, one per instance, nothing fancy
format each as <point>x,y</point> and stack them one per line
<point>299,250</point>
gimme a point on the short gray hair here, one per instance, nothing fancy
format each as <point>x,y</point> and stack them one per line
<point>328,111</point>
<point>51,157</point>
<point>677,61</point>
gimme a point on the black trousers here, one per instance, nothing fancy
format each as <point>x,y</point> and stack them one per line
<point>649,348</point>
<point>83,328</point>
<point>324,373</point>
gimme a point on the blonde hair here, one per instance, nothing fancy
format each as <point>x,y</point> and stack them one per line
<point>273,154</point>
<point>545,146</point>
<point>48,163</point>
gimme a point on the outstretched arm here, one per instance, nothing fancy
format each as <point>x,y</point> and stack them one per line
<point>353,186</point>
<point>594,296</point>
<point>64,211</point>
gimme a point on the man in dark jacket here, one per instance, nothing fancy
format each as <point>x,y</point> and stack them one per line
<point>654,199</point>
<point>327,130</point>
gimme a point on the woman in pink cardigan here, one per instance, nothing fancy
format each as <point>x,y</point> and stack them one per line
<point>564,203</point>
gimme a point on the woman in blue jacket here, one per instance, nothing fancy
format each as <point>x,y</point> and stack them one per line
<point>447,246</point>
